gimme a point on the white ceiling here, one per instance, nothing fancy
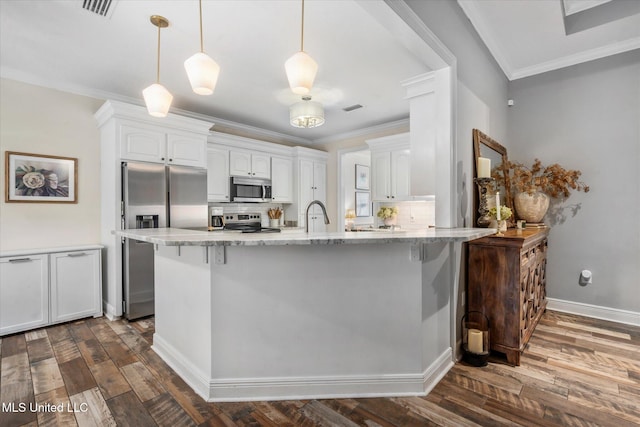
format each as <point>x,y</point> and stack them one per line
<point>529,37</point>
<point>362,57</point>
<point>58,44</point>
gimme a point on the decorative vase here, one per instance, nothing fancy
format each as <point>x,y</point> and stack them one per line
<point>531,207</point>
<point>390,221</point>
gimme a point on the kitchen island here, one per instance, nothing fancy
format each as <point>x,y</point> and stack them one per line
<point>267,316</point>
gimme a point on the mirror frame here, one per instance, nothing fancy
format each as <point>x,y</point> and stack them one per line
<point>479,139</point>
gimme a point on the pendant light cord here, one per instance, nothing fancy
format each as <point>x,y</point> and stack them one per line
<point>158,65</point>
<point>201,42</point>
<point>302,30</point>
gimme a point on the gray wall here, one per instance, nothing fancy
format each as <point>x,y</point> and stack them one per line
<point>587,117</point>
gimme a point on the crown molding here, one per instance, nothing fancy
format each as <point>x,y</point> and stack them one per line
<point>578,58</point>
<point>484,31</point>
<point>364,132</point>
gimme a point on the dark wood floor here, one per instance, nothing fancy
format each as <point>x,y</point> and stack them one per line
<point>575,372</point>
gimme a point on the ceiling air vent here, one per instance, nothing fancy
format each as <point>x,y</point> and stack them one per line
<point>100,7</point>
<point>352,107</point>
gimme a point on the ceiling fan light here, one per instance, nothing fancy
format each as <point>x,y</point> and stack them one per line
<point>301,70</point>
<point>203,73</point>
<point>158,100</point>
<point>306,114</point>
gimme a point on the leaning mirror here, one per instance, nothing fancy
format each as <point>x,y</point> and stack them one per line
<point>487,148</point>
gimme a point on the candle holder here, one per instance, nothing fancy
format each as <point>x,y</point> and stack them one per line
<point>476,344</point>
<point>483,211</point>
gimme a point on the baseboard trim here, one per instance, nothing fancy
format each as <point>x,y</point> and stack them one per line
<point>298,388</point>
<point>595,311</point>
<point>109,311</point>
<point>195,378</point>
<point>437,370</point>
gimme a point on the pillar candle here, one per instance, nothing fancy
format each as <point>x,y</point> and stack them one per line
<point>475,341</point>
<point>498,205</point>
<point>484,167</point>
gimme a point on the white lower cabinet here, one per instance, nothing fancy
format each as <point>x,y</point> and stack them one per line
<point>24,292</point>
<point>39,289</point>
<point>72,294</point>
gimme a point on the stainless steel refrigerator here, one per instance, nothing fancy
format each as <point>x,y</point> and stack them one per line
<point>155,196</point>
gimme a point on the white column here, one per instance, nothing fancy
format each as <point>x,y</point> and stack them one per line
<point>432,168</point>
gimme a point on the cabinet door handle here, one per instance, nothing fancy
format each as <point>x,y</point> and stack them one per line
<point>76,254</point>
<point>171,160</point>
<point>162,158</point>
<point>20,260</point>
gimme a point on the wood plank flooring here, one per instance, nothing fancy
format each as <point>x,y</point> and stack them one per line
<point>576,371</point>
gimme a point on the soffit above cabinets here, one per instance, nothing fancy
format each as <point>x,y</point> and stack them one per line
<point>528,37</point>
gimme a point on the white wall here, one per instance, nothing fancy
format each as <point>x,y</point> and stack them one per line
<point>587,117</point>
<point>45,121</point>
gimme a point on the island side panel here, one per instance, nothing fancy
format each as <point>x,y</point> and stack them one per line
<point>438,273</point>
<point>183,312</point>
<point>348,316</point>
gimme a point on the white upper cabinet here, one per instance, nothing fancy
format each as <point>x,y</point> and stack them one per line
<point>312,176</point>
<point>157,145</point>
<point>281,179</point>
<point>217,174</point>
<point>143,144</point>
<point>247,163</point>
<point>401,174</point>
<point>381,175</point>
<point>186,150</point>
<point>390,168</point>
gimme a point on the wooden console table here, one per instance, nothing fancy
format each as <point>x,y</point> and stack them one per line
<point>506,282</point>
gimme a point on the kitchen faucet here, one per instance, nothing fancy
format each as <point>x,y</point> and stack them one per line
<point>324,212</point>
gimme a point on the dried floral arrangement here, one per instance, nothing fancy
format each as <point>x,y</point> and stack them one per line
<point>553,180</point>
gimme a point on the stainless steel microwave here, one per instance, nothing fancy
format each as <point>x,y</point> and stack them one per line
<point>250,189</point>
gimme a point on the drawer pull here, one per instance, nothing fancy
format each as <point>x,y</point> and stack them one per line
<point>20,260</point>
<point>76,254</point>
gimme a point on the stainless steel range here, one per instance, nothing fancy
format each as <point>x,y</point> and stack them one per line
<point>247,223</point>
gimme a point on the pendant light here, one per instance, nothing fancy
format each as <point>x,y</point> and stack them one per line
<point>301,68</point>
<point>306,114</point>
<point>157,97</point>
<point>201,69</point>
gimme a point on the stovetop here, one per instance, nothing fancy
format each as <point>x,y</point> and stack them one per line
<point>247,223</point>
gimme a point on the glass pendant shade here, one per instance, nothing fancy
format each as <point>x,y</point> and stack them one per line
<point>158,100</point>
<point>301,71</point>
<point>202,72</point>
<point>306,114</point>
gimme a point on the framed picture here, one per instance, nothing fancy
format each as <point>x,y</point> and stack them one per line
<point>362,177</point>
<point>363,203</point>
<point>38,178</point>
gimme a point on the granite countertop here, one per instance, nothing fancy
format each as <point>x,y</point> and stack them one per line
<point>183,237</point>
